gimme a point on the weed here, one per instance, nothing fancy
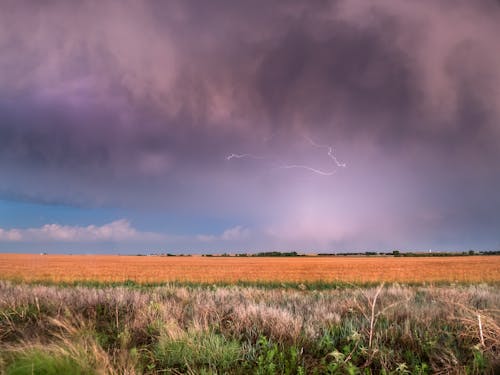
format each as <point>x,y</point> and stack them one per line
<point>270,359</point>
<point>206,351</point>
<point>36,361</point>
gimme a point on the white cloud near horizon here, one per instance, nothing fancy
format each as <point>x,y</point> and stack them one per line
<point>232,234</point>
<point>118,230</point>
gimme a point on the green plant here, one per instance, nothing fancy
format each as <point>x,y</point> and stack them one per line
<point>479,363</point>
<point>197,351</point>
<point>273,359</point>
<point>345,360</point>
<point>36,361</point>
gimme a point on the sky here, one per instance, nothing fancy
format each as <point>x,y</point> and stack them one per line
<point>240,126</point>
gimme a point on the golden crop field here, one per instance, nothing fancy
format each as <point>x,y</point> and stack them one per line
<point>229,269</point>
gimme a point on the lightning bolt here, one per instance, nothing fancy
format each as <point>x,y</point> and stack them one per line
<point>317,171</point>
<point>241,156</point>
<point>330,153</point>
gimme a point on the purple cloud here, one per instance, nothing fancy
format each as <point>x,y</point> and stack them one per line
<point>138,104</point>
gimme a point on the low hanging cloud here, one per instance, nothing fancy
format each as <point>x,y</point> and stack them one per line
<point>116,231</point>
<point>232,234</point>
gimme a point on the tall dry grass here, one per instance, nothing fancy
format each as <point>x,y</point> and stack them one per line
<point>120,329</point>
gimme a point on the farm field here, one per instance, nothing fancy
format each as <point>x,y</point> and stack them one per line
<point>152,269</point>
<point>199,318</point>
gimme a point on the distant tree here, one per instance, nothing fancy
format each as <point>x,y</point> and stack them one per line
<point>396,253</point>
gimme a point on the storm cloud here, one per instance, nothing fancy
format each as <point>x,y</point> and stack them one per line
<point>137,105</point>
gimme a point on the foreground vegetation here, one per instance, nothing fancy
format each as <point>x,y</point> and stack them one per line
<point>209,329</point>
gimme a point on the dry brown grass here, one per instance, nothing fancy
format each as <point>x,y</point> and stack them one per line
<point>435,323</point>
<point>221,269</point>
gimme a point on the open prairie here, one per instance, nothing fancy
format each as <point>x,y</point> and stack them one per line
<point>152,269</point>
<point>201,329</point>
<point>129,328</point>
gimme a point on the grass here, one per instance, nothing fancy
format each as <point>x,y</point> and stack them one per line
<point>41,362</point>
<point>315,285</point>
<point>248,329</point>
<point>192,349</point>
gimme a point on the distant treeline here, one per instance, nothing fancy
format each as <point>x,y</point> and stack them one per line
<point>398,253</point>
<point>366,253</point>
<point>261,254</point>
<point>395,253</point>
<point>276,254</point>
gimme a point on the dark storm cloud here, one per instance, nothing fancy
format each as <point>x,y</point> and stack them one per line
<point>138,103</point>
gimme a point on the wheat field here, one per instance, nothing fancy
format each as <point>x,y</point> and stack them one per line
<point>30,267</point>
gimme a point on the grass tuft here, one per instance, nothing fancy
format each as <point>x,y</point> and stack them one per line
<point>197,350</point>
